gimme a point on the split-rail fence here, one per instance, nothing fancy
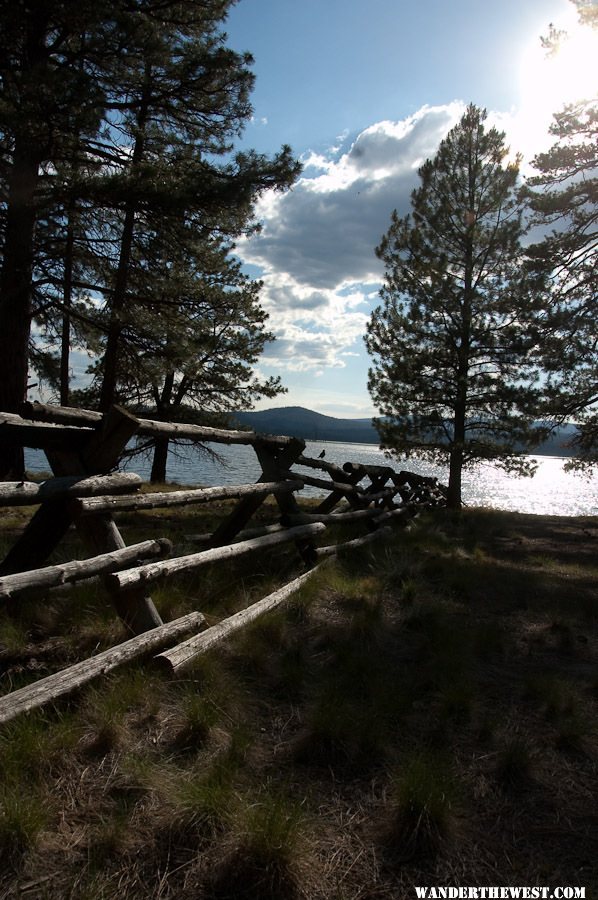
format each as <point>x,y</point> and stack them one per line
<point>83,449</point>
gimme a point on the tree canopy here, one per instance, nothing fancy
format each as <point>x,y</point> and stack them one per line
<point>122,196</point>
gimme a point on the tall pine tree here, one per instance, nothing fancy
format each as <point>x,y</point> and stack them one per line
<point>48,92</point>
<point>563,199</point>
<point>449,342</point>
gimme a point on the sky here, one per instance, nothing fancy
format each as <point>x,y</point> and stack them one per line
<point>364,92</point>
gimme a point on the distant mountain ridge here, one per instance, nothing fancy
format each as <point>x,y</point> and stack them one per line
<point>297,421</point>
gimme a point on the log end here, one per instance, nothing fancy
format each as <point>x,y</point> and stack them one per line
<point>165,545</point>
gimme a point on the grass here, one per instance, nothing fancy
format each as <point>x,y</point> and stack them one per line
<point>421,815</point>
<point>264,860</point>
<point>420,713</point>
<point>23,816</point>
<point>514,764</point>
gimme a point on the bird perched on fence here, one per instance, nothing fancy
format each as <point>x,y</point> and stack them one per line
<point>322,454</point>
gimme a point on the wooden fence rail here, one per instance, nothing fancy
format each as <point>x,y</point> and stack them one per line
<point>164,499</point>
<point>38,581</point>
<point>30,493</point>
<point>155,571</point>
<point>49,689</point>
<point>68,417</point>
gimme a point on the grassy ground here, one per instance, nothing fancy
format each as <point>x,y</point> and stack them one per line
<point>422,715</point>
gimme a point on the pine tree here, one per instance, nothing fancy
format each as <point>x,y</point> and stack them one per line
<point>117,121</point>
<point>449,343</point>
<point>46,95</point>
<point>563,199</point>
<point>189,354</point>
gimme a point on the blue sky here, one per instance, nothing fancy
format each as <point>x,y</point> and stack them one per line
<point>363,93</point>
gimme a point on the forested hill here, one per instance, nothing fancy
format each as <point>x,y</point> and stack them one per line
<point>312,426</point>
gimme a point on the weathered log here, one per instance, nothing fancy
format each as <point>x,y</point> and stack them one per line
<point>400,478</point>
<point>29,493</point>
<point>52,520</point>
<point>355,492</point>
<point>402,513</point>
<point>333,549</point>
<point>310,463</point>
<point>160,499</point>
<point>57,685</point>
<point>180,657</point>
<point>16,430</point>
<point>38,581</point>
<point>370,471</point>
<point>414,479</point>
<point>335,486</point>
<point>62,415</point>
<point>330,518</point>
<point>115,429</point>
<point>385,494</point>
<point>276,462</point>
<point>153,571</point>
<point>258,531</point>
<point>154,428</point>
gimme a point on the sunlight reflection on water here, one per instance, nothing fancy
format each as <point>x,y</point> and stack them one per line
<point>550,492</point>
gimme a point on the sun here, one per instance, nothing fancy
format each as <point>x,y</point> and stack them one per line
<point>549,81</point>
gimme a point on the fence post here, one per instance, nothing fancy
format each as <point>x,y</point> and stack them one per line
<point>50,523</point>
<point>275,464</point>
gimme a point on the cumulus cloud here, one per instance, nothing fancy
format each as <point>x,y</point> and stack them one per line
<point>316,246</point>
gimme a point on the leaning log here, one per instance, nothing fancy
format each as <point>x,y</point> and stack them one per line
<point>154,571</point>
<point>57,685</point>
<point>37,581</point>
<point>333,549</point>
<point>91,506</point>
<point>29,493</point>
<point>180,657</point>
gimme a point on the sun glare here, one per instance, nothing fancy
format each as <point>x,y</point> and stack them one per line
<point>548,81</point>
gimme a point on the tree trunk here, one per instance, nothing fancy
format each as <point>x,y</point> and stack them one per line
<point>158,474</point>
<point>164,411</point>
<point>453,496</point>
<point>15,295</point>
<point>115,326</point>
<point>66,317</point>
<point>121,283</point>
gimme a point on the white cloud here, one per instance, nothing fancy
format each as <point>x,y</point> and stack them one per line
<point>317,245</point>
<point>323,232</point>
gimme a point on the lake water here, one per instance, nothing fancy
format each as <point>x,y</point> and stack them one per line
<point>551,491</point>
